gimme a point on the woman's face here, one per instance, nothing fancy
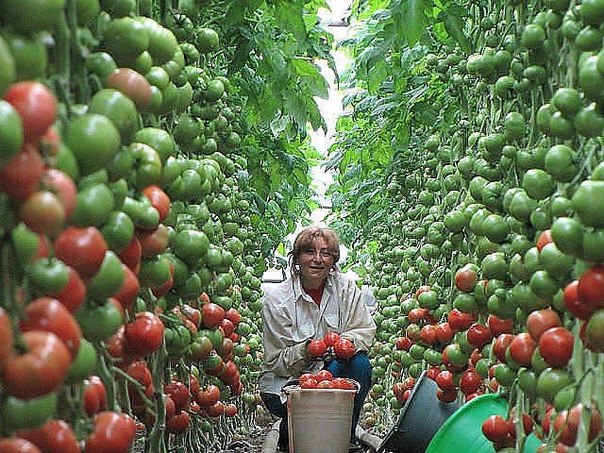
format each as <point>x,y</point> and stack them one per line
<point>315,262</point>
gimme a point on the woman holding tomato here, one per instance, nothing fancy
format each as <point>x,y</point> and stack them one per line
<point>315,300</point>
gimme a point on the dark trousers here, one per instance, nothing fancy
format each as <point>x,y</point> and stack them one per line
<point>358,368</point>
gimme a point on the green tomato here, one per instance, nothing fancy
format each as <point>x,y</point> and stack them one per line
<point>142,213</point>
<point>99,320</point>
<point>121,164</point>
<point>550,382</point>
<point>147,165</point>
<point>154,271</point>
<point>48,275</point>
<point>158,139</point>
<point>118,231</point>
<point>125,39</point>
<point>119,108</point>
<point>11,129</point>
<point>84,363</point>
<point>101,64</point>
<point>66,162</point>
<point>26,244</point>
<point>7,67</point>
<point>108,280</point>
<point>94,140</point>
<point>30,16</point>
<point>94,205</point>
<point>31,413</point>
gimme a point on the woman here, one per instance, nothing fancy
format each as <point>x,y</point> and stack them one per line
<point>314,300</point>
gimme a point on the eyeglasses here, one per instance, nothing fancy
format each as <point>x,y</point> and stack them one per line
<point>323,253</point>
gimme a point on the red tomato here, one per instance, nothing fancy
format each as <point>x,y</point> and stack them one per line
<point>331,338</point>
<point>470,381</point>
<point>194,315</point>
<point>539,321</point>
<point>230,410</point>
<point>495,428</point>
<point>446,396</point>
<point>131,255</point>
<point>36,105</point>
<point>545,237</point>
<point>402,343</point>
<point>316,348</point>
<point>94,395</point>
<point>38,371</point>
<point>216,410</point>
<point>556,346</point>
<point>428,334</point>
<point>113,433</point>
<point>574,304</point>
<point>444,333</point>
<point>82,248</point>
<point>129,290</point>
<point>344,349</point>
<point>52,436</point>
<point>343,384</point>
<point>178,423</point>
<point>421,289</point>
<point>501,344</point>
<point>416,315</point>
<point>63,187</point>
<point>310,383</point>
<point>432,372</point>
<point>43,213</point>
<point>132,84</point>
<point>212,314</point>
<point>17,445</point>
<point>499,325</point>
<point>227,327</point>
<point>566,423</point>
<point>479,335</point>
<point>323,375</point>
<point>179,393</point>
<point>459,320</point>
<point>153,242</point>
<point>74,293</point>
<point>139,370</point>
<point>144,335</point>
<point>159,200</point>
<point>324,384</point>
<point>50,315</point>
<point>234,316</point>
<point>522,348</point>
<point>6,336</point>
<point>466,277</point>
<point>591,287</point>
<point>208,396</point>
<point>21,176</point>
<point>170,406</point>
<point>444,380</point>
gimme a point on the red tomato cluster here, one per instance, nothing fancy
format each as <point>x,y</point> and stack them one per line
<point>323,379</point>
<point>332,344</point>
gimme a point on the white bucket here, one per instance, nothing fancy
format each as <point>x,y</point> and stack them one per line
<point>319,420</point>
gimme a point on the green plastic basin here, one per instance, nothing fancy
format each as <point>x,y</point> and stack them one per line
<point>463,430</point>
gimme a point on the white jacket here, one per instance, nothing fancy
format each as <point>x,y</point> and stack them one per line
<point>290,318</point>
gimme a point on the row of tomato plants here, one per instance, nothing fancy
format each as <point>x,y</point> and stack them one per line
<point>492,276</point>
<point>130,266</point>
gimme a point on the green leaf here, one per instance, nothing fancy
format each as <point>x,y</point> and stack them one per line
<point>455,17</point>
<point>413,20</point>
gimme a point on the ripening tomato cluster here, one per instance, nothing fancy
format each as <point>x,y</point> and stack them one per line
<point>331,345</point>
<point>489,274</point>
<point>323,379</point>
<point>128,266</point>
